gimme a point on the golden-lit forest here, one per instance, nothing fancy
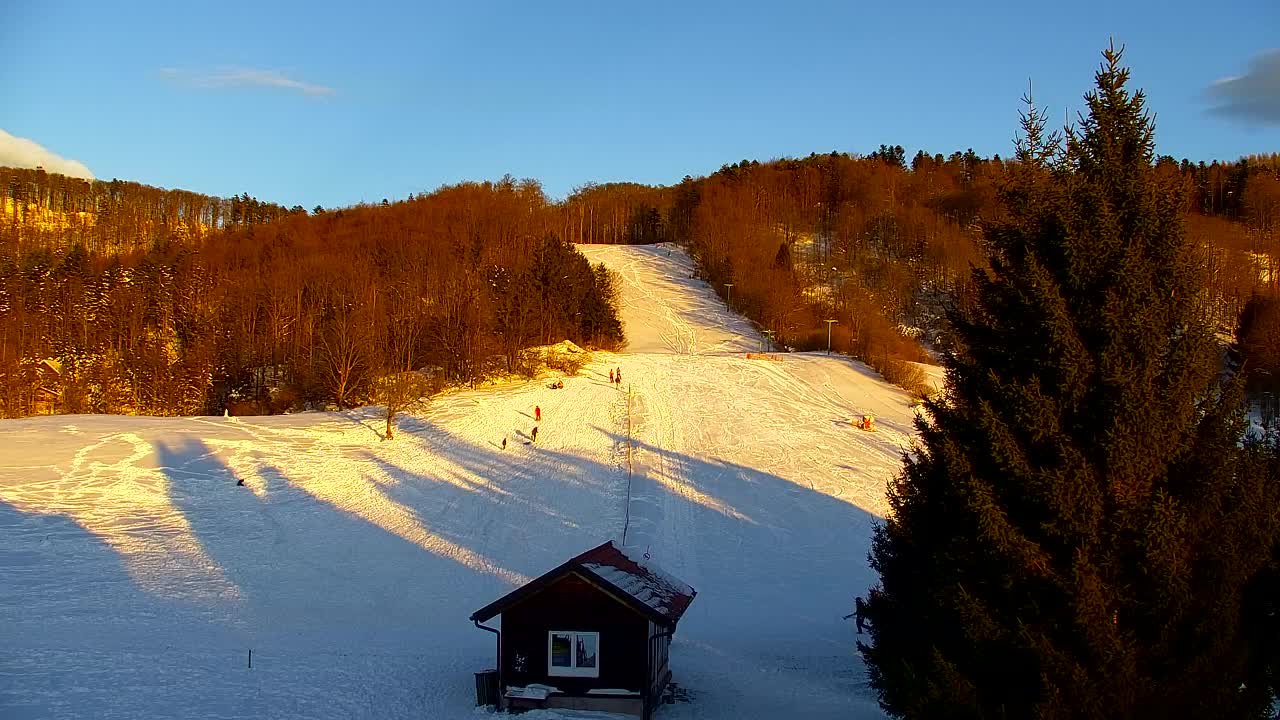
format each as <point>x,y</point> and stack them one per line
<point>120,298</point>
<point>117,297</point>
<point>881,244</point>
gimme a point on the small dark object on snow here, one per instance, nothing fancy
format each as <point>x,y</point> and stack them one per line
<point>534,435</point>
<point>240,482</point>
<point>504,443</point>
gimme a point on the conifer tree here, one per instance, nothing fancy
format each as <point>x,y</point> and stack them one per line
<point>1081,532</point>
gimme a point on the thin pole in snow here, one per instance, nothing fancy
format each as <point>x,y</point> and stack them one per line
<point>829,324</point>
<point>250,658</point>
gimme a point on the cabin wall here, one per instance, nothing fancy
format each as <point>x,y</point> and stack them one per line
<point>571,603</point>
<point>658,671</point>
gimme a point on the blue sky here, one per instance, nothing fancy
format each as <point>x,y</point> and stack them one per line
<point>334,104</point>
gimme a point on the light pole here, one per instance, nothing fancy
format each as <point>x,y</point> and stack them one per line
<point>829,324</point>
<point>729,288</point>
<point>768,334</point>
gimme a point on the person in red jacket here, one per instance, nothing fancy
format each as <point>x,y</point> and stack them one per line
<point>537,413</point>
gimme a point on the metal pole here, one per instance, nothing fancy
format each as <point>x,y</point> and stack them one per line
<point>829,324</point>
<point>729,288</point>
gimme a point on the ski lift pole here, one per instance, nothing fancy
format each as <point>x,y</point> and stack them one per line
<point>829,324</point>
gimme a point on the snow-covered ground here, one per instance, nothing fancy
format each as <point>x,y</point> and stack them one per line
<point>136,576</point>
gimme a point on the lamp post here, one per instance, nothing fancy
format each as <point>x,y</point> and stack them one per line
<point>829,324</point>
<point>768,334</point>
<point>729,288</point>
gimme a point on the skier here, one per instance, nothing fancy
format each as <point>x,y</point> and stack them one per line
<point>618,374</point>
<point>537,413</point>
<point>610,376</point>
<point>504,443</point>
<point>240,482</point>
<point>859,614</point>
<point>534,435</point>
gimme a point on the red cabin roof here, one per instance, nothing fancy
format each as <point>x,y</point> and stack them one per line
<point>622,572</point>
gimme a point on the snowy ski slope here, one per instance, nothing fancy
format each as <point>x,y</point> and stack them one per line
<point>136,576</point>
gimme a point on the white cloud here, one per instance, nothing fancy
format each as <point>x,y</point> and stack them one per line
<point>233,77</point>
<point>1253,96</point>
<point>24,153</point>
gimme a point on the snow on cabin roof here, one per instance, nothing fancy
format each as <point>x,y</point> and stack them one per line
<point>638,582</point>
<point>628,570</point>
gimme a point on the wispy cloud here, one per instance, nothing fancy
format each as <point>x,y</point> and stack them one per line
<point>1253,96</point>
<point>24,153</point>
<point>238,77</point>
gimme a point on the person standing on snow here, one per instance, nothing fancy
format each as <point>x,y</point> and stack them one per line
<point>610,376</point>
<point>859,614</point>
<point>534,435</point>
<point>537,413</point>
<point>504,443</point>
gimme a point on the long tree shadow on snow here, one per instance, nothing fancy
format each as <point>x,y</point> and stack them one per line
<point>777,515</point>
<point>303,564</point>
<point>74,612</point>
<point>784,531</point>
<point>776,568</point>
<point>752,543</point>
<point>316,575</point>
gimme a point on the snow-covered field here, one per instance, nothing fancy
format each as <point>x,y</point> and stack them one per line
<point>136,576</point>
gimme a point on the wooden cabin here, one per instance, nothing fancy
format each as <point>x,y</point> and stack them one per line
<point>592,634</point>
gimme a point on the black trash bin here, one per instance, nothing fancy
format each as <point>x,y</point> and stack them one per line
<point>487,687</point>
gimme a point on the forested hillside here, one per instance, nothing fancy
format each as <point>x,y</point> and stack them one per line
<point>47,210</point>
<point>272,309</point>
<point>879,244</point>
<point>165,301</point>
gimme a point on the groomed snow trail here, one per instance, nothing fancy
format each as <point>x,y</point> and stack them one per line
<point>135,575</point>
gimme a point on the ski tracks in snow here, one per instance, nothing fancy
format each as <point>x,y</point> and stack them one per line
<point>750,483</point>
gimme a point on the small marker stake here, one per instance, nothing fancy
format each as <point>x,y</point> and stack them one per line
<point>250,658</point>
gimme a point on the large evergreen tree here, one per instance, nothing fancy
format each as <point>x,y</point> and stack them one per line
<point>1081,532</point>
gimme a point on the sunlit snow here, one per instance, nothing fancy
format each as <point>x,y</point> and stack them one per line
<point>136,576</point>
